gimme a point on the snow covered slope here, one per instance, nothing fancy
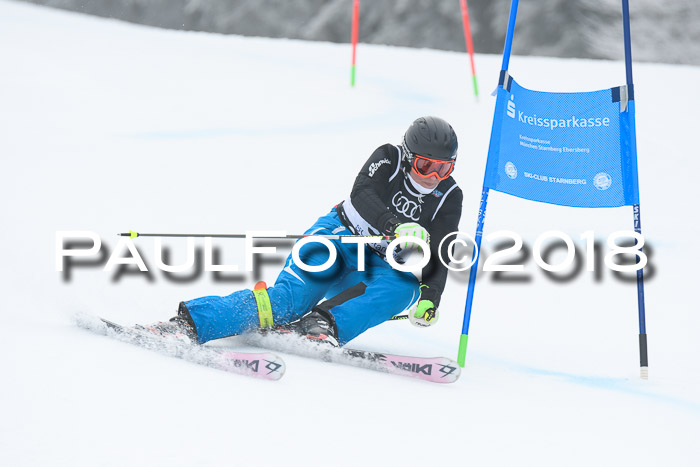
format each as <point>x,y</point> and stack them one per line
<point>108,127</point>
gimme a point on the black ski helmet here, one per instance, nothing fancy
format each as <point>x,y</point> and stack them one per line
<point>430,137</point>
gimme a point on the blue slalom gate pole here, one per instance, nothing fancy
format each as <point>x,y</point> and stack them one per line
<point>643,358</point>
<point>636,209</point>
<point>464,337</point>
<point>628,40</point>
<point>509,34</point>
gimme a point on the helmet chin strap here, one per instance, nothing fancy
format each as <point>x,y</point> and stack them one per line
<point>405,157</point>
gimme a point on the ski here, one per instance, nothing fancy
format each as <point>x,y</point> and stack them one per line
<point>433,369</point>
<point>265,365</point>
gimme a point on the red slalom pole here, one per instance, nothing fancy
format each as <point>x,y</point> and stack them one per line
<point>355,34</point>
<point>468,40</point>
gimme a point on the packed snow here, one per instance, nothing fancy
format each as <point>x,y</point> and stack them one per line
<point>108,127</point>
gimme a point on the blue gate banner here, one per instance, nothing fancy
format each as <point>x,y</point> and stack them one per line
<point>570,149</point>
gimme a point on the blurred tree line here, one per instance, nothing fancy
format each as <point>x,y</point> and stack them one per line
<point>661,31</point>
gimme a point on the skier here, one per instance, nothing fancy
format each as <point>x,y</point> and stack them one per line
<point>401,191</point>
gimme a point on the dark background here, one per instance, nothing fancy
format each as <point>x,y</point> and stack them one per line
<point>666,32</point>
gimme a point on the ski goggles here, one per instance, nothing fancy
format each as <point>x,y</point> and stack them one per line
<point>426,167</point>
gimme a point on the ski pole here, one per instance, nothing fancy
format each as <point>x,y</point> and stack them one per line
<point>133,234</point>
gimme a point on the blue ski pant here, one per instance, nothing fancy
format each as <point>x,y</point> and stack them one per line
<point>358,300</point>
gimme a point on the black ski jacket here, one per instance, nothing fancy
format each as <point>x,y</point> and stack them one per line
<point>383,196</point>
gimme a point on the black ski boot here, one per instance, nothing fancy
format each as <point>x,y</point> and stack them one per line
<point>181,326</point>
<point>318,326</point>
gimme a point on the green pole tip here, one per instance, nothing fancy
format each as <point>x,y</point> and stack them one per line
<point>133,234</point>
<point>462,354</point>
<point>352,75</point>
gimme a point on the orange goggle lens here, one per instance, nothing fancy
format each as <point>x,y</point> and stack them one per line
<point>426,167</point>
